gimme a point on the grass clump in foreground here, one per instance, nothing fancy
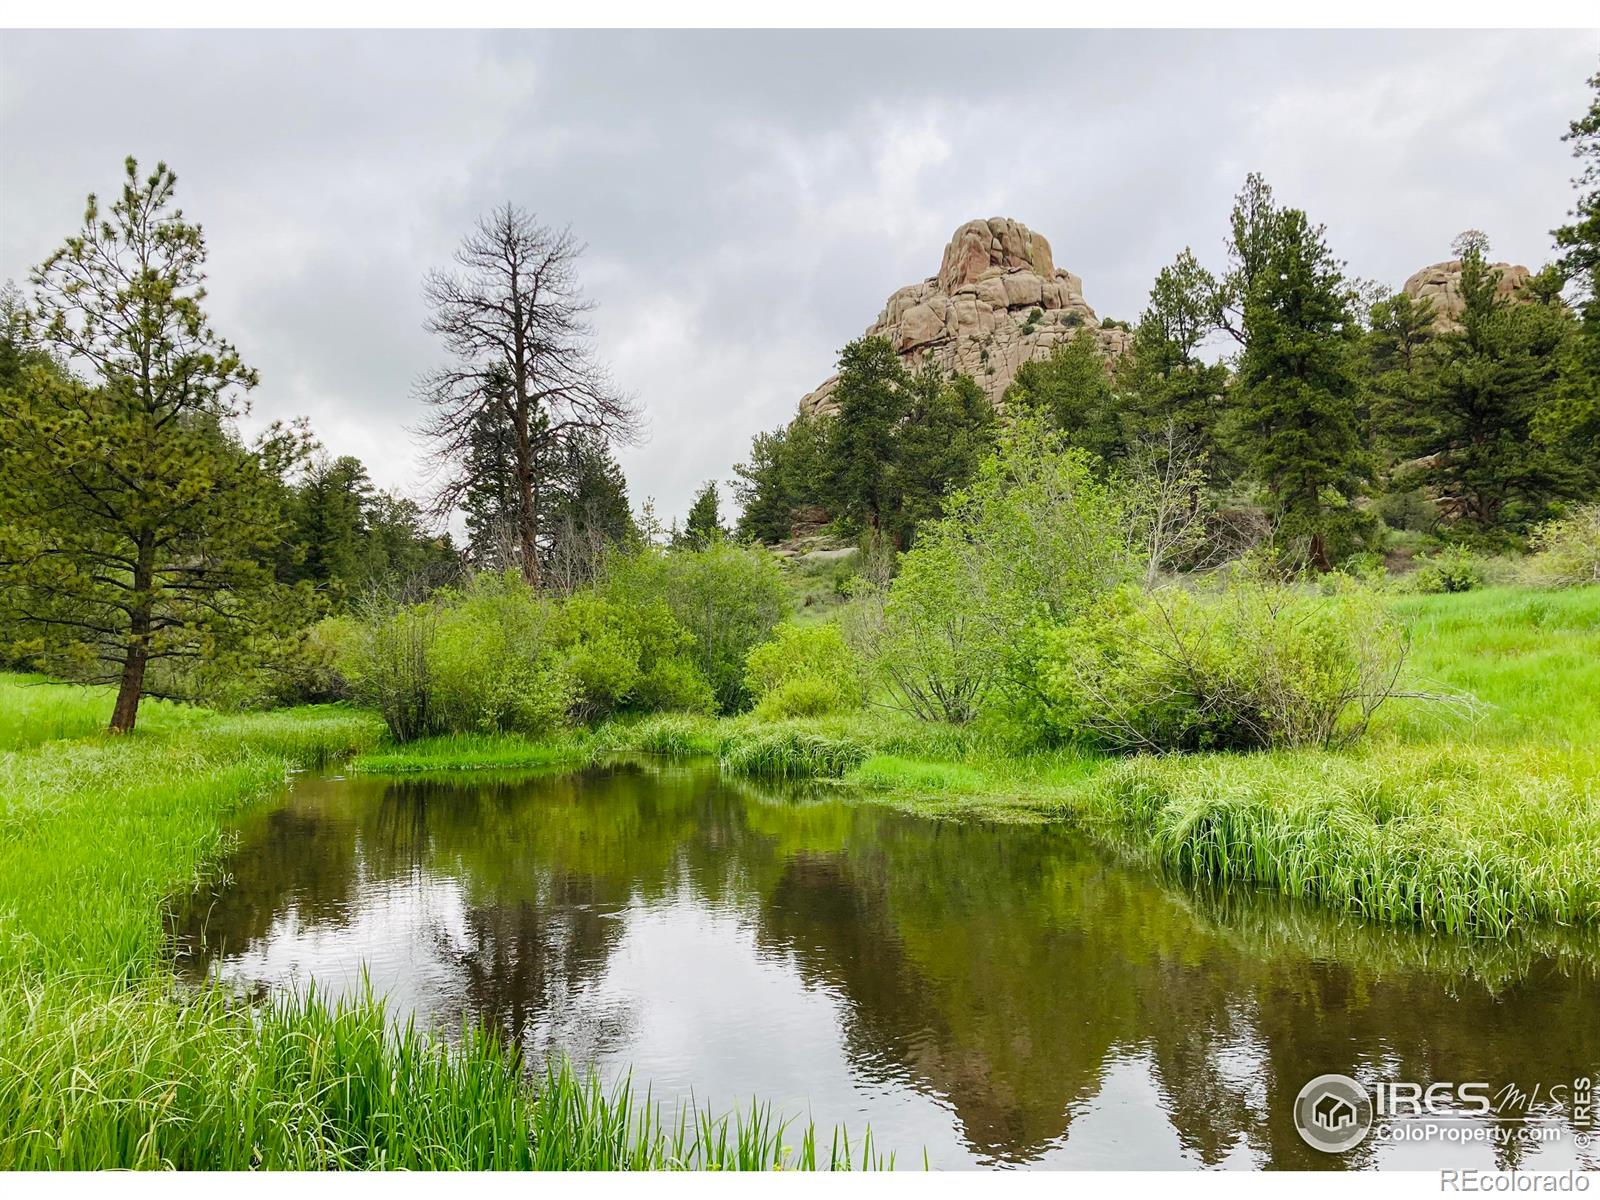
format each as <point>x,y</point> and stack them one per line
<point>133,1078</point>
<point>104,1062</point>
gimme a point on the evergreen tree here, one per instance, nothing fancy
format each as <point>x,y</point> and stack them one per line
<point>948,430</point>
<point>402,549</point>
<point>1571,423</point>
<point>490,498</point>
<point>1398,369</point>
<point>784,475</point>
<point>1496,373</point>
<point>1297,431</point>
<point>1254,230</point>
<point>135,527</point>
<point>766,505</point>
<point>1167,384</point>
<point>594,501</point>
<point>1073,390</point>
<point>871,399</point>
<point>703,526</point>
<point>327,514</point>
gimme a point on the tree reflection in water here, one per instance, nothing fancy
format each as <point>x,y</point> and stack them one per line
<point>997,993</point>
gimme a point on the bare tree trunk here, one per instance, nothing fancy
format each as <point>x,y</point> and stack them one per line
<point>513,320</point>
<point>527,509</point>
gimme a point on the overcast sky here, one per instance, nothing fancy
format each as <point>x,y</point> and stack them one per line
<point>750,200</point>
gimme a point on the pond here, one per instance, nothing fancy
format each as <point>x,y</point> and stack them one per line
<point>994,995</point>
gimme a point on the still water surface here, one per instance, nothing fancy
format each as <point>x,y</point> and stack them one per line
<point>997,995</point>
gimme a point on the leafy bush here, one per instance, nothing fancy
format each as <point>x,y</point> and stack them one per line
<point>1034,539</point>
<point>1257,665</point>
<point>804,671</point>
<point>627,657</point>
<point>1567,551</point>
<point>1454,569</point>
<point>477,659</point>
<point>727,596</point>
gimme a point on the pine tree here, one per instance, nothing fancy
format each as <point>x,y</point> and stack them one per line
<point>1297,431</point>
<point>703,526</point>
<point>1496,373</point>
<point>135,527</point>
<point>948,430</point>
<point>490,498</point>
<point>1166,384</point>
<point>1399,366</point>
<point>1073,390</point>
<point>328,525</point>
<point>1571,423</point>
<point>871,402</point>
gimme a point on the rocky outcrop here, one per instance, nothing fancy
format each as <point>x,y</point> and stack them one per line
<point>997,302</point>
<point>1441,283</point>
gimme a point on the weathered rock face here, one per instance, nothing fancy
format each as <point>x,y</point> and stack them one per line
<point>997,302</point>
<point>1441,283</point>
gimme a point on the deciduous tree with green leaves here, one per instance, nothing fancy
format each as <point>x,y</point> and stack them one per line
<point>135,527</point>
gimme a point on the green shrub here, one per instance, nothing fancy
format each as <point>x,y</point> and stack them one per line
<point>1567,551</point>
<point>804,671</point>
<point>1036,537</point>
<point>1453,569</point>
<point>807,696</point>
<point>472,660</point>
<point>1254,666</point>
<point>627,657</point>
<point>727,596</point>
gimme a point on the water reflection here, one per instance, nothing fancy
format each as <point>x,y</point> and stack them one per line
<point>996,994</point>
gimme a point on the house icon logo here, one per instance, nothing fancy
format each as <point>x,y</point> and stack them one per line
<point>1333,1113</point>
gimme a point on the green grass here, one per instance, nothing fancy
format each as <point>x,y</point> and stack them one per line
<point>472,752</point>
<point>131,1078</point>
<point>106,1062</point>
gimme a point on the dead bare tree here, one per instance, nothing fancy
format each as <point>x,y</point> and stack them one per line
<point>1168,506</point>
<point>514,321</point>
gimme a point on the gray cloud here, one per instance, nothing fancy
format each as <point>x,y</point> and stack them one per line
<point>750,199</point>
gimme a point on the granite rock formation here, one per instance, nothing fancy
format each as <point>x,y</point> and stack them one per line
<point>1441,283</point>
<point>997,302</point>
